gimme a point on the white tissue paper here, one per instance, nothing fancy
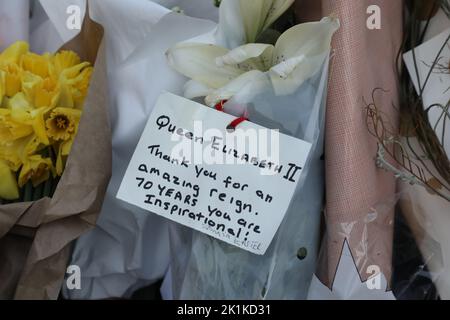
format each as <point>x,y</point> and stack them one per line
<point>129,248</point>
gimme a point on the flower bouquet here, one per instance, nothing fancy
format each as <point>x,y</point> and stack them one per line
<point>132,246</point>
<point>55,159</point>
<point>41,98</point>
<point>275,78</point>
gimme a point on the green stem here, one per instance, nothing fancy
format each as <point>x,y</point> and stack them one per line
<point>54,186</point>
<point>37,194</point>
<point>48,186</point>
<point>28,193</point>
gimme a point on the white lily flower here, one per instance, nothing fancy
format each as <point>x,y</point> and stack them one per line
<point>243,21</point>
<point>218,73</point>
<point>198,62</point>
<point>300,52</point>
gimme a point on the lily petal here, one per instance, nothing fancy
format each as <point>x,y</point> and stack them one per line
<point>277,9</point>
<point>243,21</point>
<point>247,85</point>
<point>198,62</point>
<point>300,52</point>
<point>230,31</point>
<point>194,89</point>
<point>254,14</point>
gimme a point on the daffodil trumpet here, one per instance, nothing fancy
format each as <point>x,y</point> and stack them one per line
<point>41,102</point>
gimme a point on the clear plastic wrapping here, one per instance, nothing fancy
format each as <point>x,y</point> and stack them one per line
<point>205,268</point>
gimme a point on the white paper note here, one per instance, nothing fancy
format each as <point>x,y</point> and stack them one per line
<point>437,87</point>
<point>234,186</point>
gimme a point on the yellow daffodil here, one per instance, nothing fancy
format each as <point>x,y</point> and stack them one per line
<point>41,98</point>
<point>15,152</point>
<point>19,105</point>
<point>81,86</point>
<point>12,153</point>
<point>74,83</point>
<point>11,79</point>
<point>10,71</point>
<point>41,92</point>
<point>64,60</point>
<point>63,126</point>
<point>47,93</point>
<point>62,123</point>
<point>36,64</point>
<point>63,152</point>
<point>10,129</point>
<point>14,53</point>
<point>37,169</point>
<point>8,184</point>
<point>23,112</point>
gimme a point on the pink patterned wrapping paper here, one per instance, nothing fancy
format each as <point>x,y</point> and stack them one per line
<point>360,196</point>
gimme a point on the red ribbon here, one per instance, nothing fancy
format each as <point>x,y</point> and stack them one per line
<point>235,122</point>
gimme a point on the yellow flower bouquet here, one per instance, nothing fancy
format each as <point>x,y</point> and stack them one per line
<point>55,158</point>
<point>41,101</point>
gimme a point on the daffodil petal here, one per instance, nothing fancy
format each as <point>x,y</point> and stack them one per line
<point>60,161</point>
<point>11,130</point>
<point>65,94</point>
<point>66,146</point>
<point>74,71</point>
<point>198,62</point>
<point>37,64</point>
<point>64,60</point>
<point>8,185</point>
<point>246,86</point>
<point>32,146</point>
<point>35,168</point>
<point>12,79</point>
<point>2,86</point>
<point>300,52</point>
<point>38,123</point>
<point>19,106</point>
<point>12,153</point>
<point>29,83</point>
<point>13,53</point>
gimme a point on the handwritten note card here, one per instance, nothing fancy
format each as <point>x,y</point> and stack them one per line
<point>234,186</point>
